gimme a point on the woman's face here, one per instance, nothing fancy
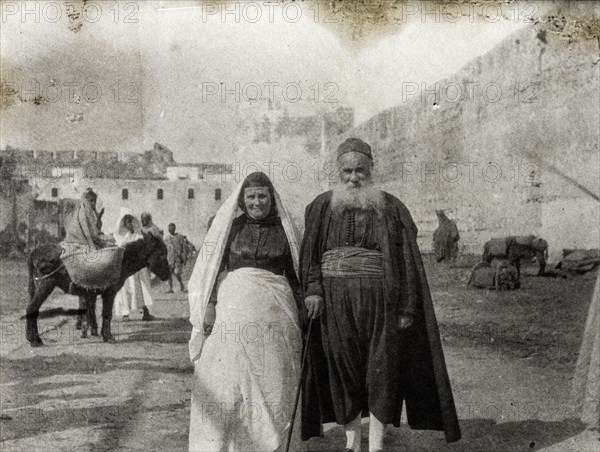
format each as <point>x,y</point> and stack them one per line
<point>257,201</point>
<point>129,224</point>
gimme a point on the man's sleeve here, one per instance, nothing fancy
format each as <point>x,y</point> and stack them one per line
<point>92,221</point>
<point>313,283</point>
<point>409,293</point>
<point>409,299</point>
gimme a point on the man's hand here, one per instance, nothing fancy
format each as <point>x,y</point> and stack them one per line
<point>209,319</point>
<point>406,321</point>
<point>314,305</point>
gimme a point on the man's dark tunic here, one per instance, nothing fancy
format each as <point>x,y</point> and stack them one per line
<point>359,359</point>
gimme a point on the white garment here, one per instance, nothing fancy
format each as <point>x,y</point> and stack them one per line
<point>135,293</point>
<point>245,379</point>
<point>207,265</point>
<point>244,382</point>
<point>586,382</point>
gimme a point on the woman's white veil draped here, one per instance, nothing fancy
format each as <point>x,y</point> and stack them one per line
<point>209,258</point>
<point>121,234</point>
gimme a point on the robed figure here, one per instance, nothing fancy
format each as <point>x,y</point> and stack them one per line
<point>135,293</point>
<point>586,382</point>
<point>445,238</point>
<point>377,345</point>
<point>245,311</point>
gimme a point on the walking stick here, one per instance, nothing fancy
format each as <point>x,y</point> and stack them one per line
<point>304,353</point>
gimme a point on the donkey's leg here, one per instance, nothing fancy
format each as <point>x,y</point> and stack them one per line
<point>81,312</point>
<point>42,292</point>
<point>108,299</point>
<point>92,316</point>
<point>514,257</point>
<point>542,261</point>
<point>85,324</point>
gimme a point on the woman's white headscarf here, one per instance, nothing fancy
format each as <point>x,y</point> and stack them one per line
<point>121,233</point>
<point>211,252</point>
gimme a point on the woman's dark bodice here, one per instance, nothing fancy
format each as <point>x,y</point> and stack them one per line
<point>259,244</point>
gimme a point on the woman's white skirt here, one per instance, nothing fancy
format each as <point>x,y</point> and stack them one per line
<point>249,369</point>
<point>134,295</point>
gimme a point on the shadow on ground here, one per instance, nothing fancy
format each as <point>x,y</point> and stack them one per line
<point>164,331</point>
<point>28,412</point>
<point>54,312</point>
<point>477,435</point>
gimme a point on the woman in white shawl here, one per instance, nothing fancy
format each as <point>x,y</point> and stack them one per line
<point>135,293</point>
<point>245,310</point>
<point>586,383</point>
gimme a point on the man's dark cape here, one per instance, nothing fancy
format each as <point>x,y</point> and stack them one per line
<point>423,379</point>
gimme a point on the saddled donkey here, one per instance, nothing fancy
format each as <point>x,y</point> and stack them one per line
<point>46,271</point>
<point>516,248</point>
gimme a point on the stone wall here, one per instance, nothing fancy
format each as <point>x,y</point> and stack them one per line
<point>293,170</point>
<point>488,144</point>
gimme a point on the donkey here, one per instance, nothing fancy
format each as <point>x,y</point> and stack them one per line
<point>46,271</point>
<point>517,248</point>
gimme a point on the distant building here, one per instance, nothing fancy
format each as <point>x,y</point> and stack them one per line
<point>186,194</point>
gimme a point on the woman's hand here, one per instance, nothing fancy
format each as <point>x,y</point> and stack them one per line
<point>209,319</point>
<point>314,305</point>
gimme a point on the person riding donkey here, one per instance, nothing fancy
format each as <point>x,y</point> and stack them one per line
<point>84,231</point>
<point>86,264</point>
<point>84,242</point>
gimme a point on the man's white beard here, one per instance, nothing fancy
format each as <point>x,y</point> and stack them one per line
<point>366,197</point>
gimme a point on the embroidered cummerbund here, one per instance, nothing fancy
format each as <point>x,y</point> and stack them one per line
<point>352,262</point>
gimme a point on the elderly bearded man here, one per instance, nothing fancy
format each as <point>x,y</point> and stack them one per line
<point>378,343</point>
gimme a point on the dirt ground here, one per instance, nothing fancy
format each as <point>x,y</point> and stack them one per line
<point>510,356</point>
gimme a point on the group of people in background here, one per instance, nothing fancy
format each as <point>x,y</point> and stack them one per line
<point>85,231</point>
<point>135,294</point>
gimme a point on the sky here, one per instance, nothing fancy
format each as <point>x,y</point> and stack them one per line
<point>181,73</point>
